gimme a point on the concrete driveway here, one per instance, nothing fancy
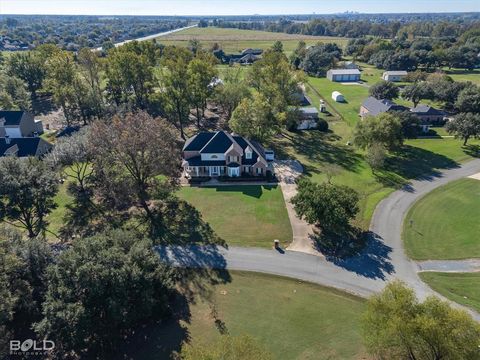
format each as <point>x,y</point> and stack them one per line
<point>287,172</point>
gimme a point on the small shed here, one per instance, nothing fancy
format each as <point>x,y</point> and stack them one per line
<point>337,96</point>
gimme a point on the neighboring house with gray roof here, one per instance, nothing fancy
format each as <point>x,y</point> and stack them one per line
<point>429,115</point>
<point>19,135</point>
<point>23,147</point>
<point>19,124</point>
<point>223,154</point>
<point>374,107</point>
<point>394,75</point>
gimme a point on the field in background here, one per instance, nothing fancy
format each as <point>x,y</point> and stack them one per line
<point>290,318</point>
<point>235,40</point>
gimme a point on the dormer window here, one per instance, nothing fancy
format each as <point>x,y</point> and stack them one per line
<point>248,153</point>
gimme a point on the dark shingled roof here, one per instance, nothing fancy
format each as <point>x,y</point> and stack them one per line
<point>26,146</point>
<point>427,110</point>
<point>11,117</point>
<point>197,142</point>
<point>243,143</point>
<point>219,143</point>
<point>375,106</point>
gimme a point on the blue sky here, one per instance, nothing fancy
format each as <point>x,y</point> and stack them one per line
<point>230,7</point>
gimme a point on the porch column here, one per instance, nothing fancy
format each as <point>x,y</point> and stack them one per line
<point>196,170</point>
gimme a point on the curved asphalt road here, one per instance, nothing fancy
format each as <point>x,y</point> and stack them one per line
<point>383,260</point>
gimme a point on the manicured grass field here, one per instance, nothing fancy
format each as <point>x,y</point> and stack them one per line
<point>246,215</point>
<point>235,40</point>
<point>291,319</point>
<point>354,95</point>
<point>446,223</point>
<point>318,153</point>
<point>463,288</point>
<point>463,75</point>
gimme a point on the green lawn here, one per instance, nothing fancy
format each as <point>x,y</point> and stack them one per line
<point>463,288</point>
<point>292,319</point>
<point>235,40</point>
<point>247,215</point>
<point>320,152</point>
<point>446,223</point>
<point>464,75</point>
<point>354,95</point>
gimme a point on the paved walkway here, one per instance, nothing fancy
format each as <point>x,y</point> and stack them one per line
<point>287,172</point>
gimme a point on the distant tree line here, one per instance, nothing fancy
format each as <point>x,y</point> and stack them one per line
<point>76,32</point>
<point>403,53</point>
<point>354,28</point>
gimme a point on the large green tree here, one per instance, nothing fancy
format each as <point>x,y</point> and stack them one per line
<point>254,119</point>
<point>27,188</point>
<point>469,99</point>
<point>130,77</point>
<point>397,326</point>
<point>101,290</point>
<point>417,92</point>
<point>28,66</point>
<point>465,126</point>
<point>14,93</point>
<point>233,90</point>
<point>177,94</point>
<point>276,80</point>
<point>326,205</point>
<point>201,73</point>
<point>384,90</point>
<point>385,129</point>
<point>23,264</point>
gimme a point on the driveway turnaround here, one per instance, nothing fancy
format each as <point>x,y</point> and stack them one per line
<point>468,265</point>
<point>383,259</point>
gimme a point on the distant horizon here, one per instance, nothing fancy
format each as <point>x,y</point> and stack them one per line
<point>252,15</point>
<point>232,7</point>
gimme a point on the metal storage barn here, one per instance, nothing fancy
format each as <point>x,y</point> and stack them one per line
<point>343,75</point>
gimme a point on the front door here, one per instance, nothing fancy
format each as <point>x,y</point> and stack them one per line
<point>214,170</point>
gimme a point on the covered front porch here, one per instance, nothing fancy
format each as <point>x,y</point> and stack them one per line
<point>212,171</point>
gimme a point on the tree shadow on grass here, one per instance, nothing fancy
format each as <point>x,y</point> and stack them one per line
<point>187,242</point>
<point>355,250</point>
<point>192,250</point>
<point>318,147</point>
<point>412,163</point>
<point>255,191</point>
<point>472,150</point>
<point>159,340</point>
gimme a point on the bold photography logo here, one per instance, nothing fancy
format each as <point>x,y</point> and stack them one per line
<point>31,347</point>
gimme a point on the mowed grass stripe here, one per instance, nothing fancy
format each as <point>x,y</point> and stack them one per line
<point>290,318</point>
<point>463,288</point>
<point>445,224</point>
<point>246,215</point>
